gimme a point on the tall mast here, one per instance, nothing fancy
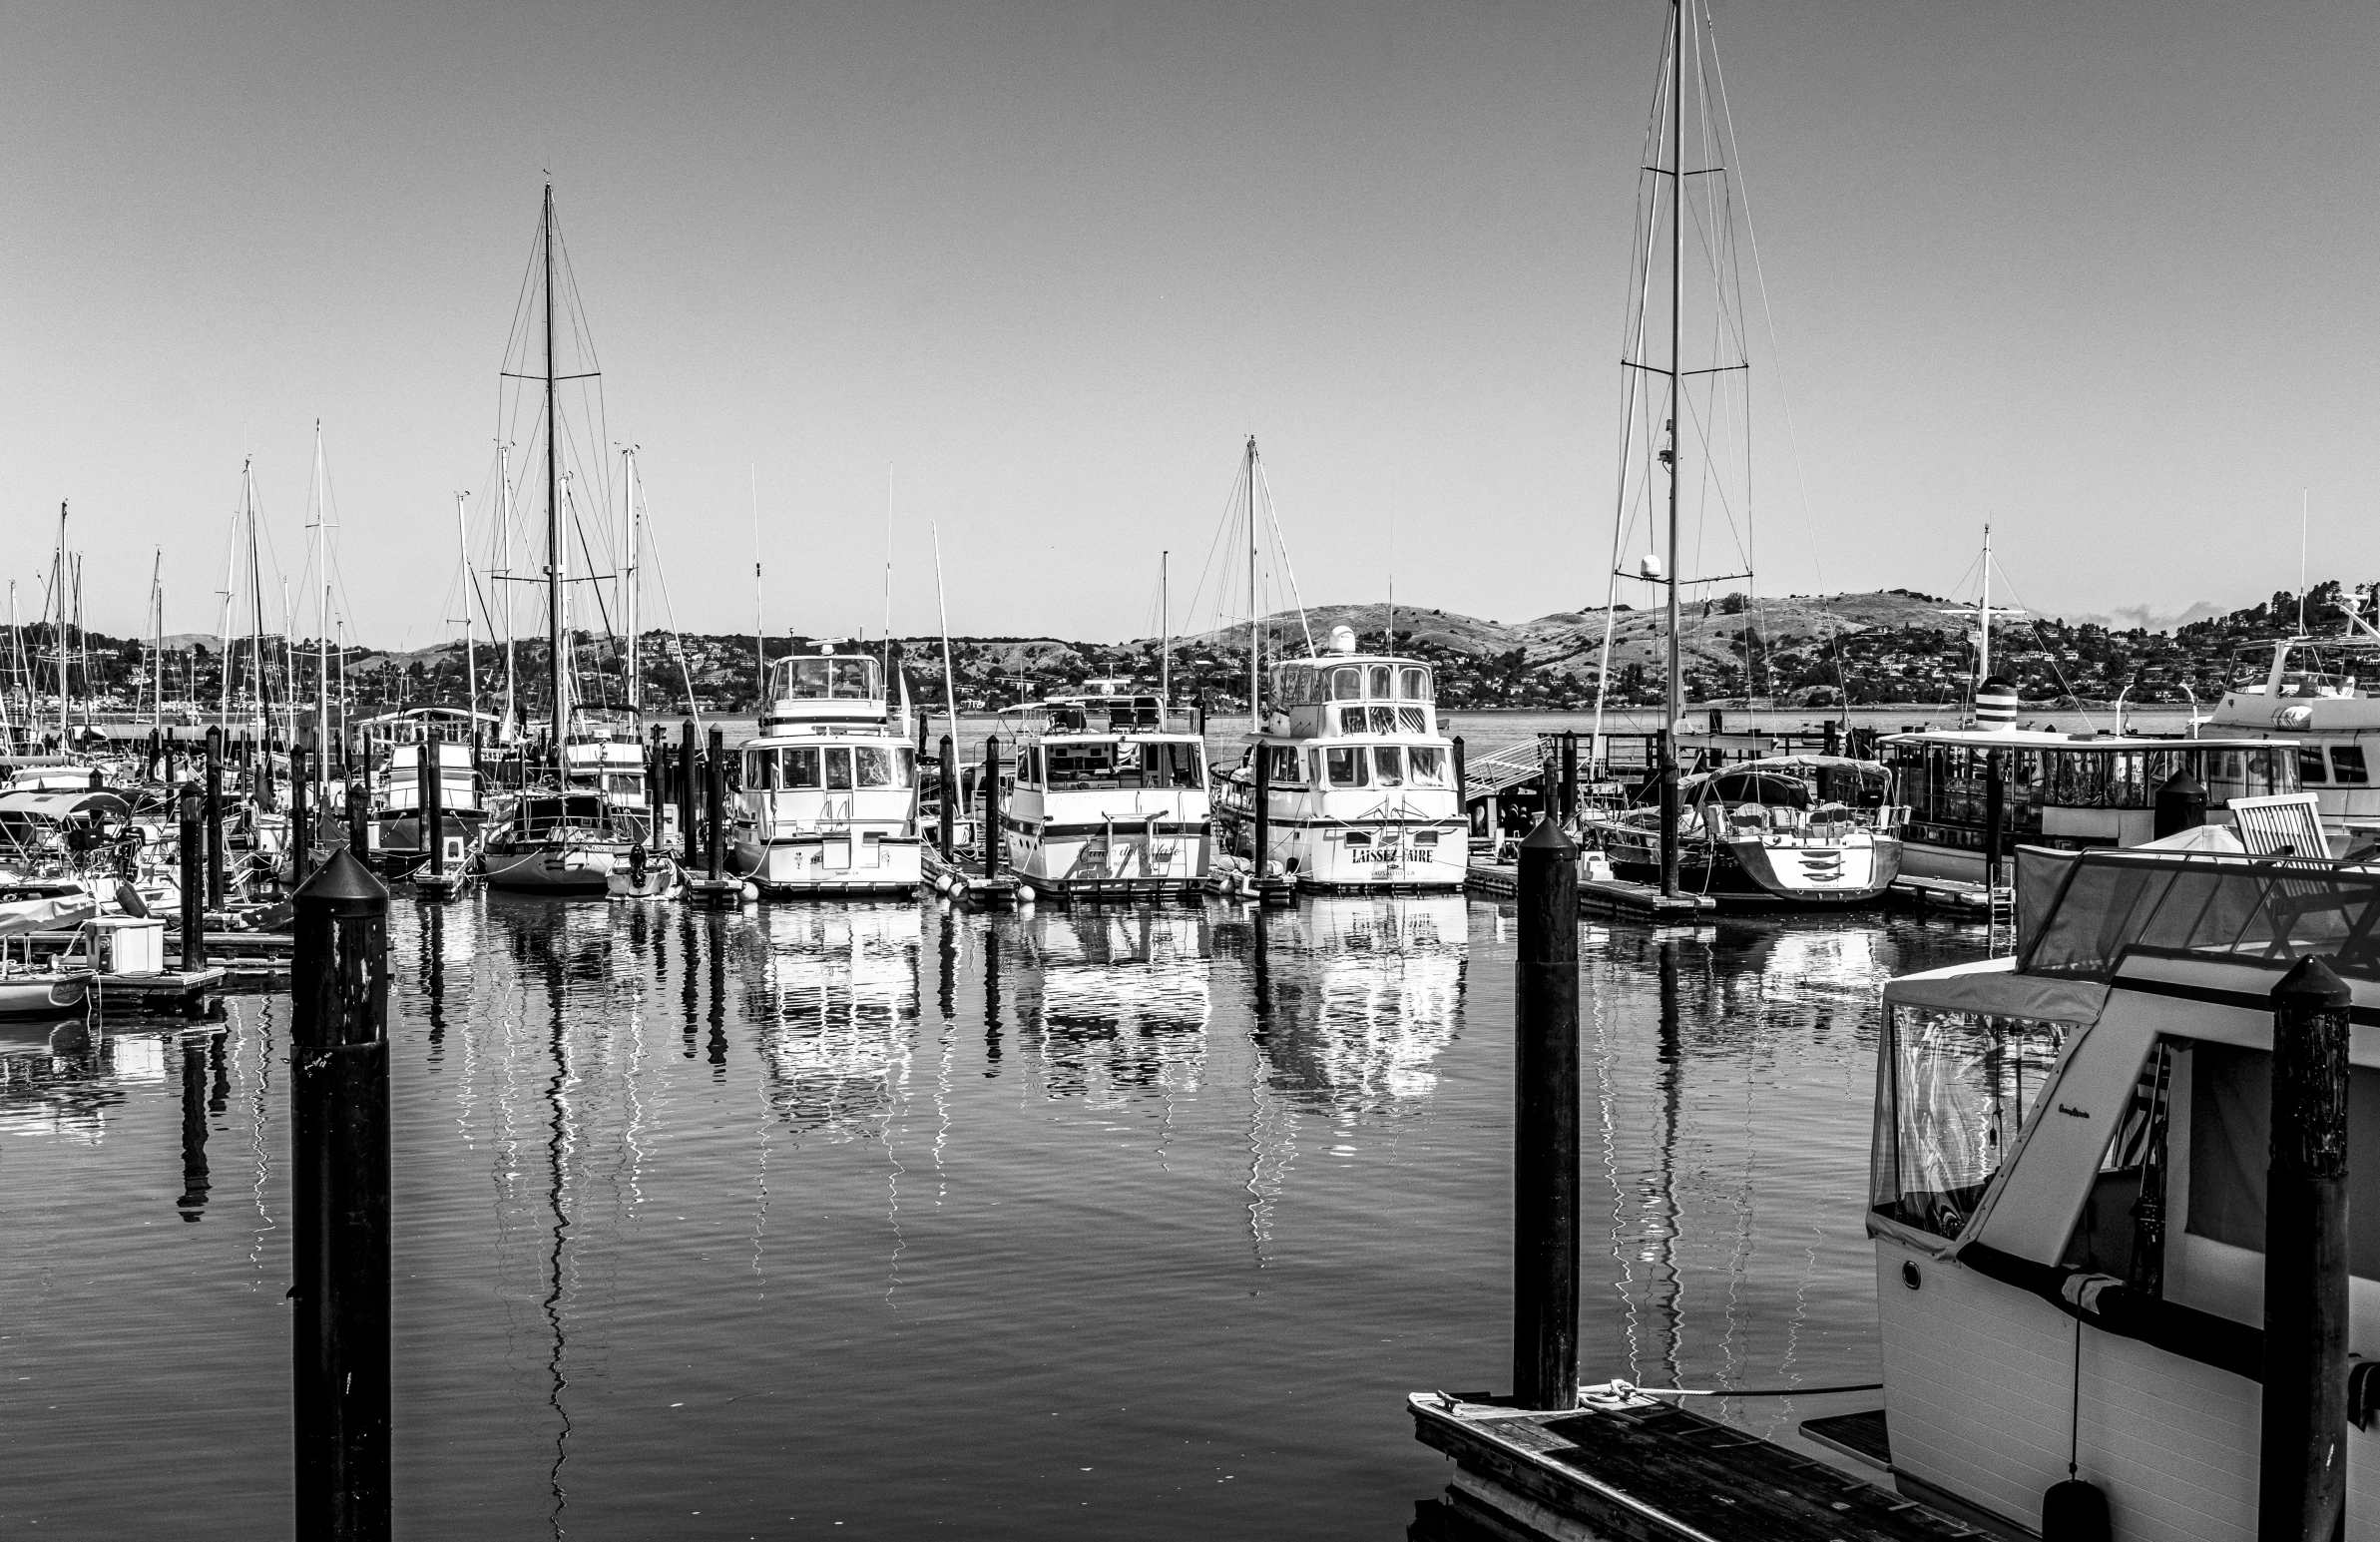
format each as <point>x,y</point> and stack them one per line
<point>557,676</point>
<point>1165,650</point>
<point>322,617</point>
<point>1256,640</point>
<point>1677,683</point>
<point>462,540</point>
<point>58,595</point>
<point>255,591</point>
<point>1983,652</point>
<point>83,639</point>
<point>759,645</point>
<point>157,638</point>
<point>504,540</point>
<point>628,596</point>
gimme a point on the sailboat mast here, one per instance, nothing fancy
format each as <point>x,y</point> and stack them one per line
<point>1165,650</point>
<point>627,587</point>
<point>462,541</point>
<point>321,621</point>
<point>1675,695</point>
<point>759,644</point>
<point>58,595</point>
<point>1255,648</point>
<point>504,540</point>
<point>256,590</point>
<point>1983,652</point>
<point>556,676</point>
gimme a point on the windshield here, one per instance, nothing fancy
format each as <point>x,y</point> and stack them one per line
<point>842,678</point>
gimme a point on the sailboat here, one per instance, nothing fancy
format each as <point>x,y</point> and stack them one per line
<point>1804,831</point>
<point>566,837</point>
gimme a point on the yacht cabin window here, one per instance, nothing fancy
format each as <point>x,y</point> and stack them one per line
<point>1346,767</point>
<point>1383,682</point>
<point>1952,1090</point>
<point>1426,764</point>
<point>844,676</point>
<point>1413,684</point>
<point>1346,683</point>
<point>2309,765</point>
<point>1388,765</point>
<point>1286,765</point>
<point>2346,765</point>
<point>2230,1139</point>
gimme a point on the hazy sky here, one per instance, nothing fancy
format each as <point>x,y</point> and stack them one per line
<point>2101,273</point>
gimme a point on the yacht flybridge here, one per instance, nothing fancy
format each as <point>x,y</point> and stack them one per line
<point>2331,717</point>
<point>1359,783</point>
<point>2068,1205</point>
<point>829,798</point>
<point>1110,798</point>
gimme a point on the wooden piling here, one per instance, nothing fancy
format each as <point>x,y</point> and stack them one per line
<point>948,771</point>
<point>215,818</point>
<point>359,816</point>
<point>1546,1134</point>
<point>1995,816</point>
<point>990,837</point>
<point>1260,852</point>
<point>302,823</point>
<point>686,798</point>
<point>340,1174</point>
<point>2302,1465</point>
<point>194,888</point>
<point>715,807</point>
<point>1669,774</point>
<point>430,812</point>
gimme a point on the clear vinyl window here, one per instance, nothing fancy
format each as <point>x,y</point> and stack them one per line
<point>1952,1091</point>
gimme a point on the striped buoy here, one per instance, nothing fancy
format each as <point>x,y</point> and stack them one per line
<point>1996,705</point>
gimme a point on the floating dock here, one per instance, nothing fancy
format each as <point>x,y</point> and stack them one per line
<point>952,881</point>
<point>1949,893</point>
<point>166,987</point>
<point>1610,896</point>
<point>1632,1466</point>
<point>707,893</point>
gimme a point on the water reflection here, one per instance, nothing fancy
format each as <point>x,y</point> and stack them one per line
<point>833,994</point>
<point>1114,1003</point>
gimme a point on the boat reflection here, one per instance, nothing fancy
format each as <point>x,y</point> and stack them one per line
<point>1111,1004</point>
<point>1378,997</point>
<point>833,993</point>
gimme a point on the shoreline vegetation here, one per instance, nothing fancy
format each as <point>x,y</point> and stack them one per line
<point>1885,651</point>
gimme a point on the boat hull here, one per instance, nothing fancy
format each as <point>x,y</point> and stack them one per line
<point>792,866</point>
<point>553,869</point>
<point>1140,861</point>
<point>41,995</point>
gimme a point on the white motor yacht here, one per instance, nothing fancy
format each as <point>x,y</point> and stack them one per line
<point>829,800</point>
<point>1109,800</point>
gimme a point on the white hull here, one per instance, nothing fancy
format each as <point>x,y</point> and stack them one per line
<point>41,995</point>
<point>556,869</point>
<point>1125,861</point>
<point>865,863</point>
<point>1382,856</point>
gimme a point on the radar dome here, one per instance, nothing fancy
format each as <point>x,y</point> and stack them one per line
<point>1342,640</point>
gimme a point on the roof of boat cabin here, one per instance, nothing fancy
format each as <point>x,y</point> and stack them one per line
<point>1324,661</point>
<point>2041,739</point>
<point>58,806</point>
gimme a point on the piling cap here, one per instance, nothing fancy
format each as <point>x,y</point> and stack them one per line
<point>1548,836</point>
<point>342,886</point>
<point>2182,781</point>
<point>2313,980</point>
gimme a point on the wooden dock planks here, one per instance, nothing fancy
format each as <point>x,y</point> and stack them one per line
<point>1610,896</point>
<point>1644,1471</point>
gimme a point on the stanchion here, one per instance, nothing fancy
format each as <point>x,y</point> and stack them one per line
<point>989,837</point>
<point>215,818</point>
<point>194,889</point>
<point>338,1094</point>
<point>2302,1462</point>
<point>1546,1136</point>
<point>949,772</point>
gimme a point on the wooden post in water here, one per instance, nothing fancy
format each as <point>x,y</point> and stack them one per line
<point>2302,1467</point>
<point>430,814</point>
<point>1260,849</point>
<point>949,771</point>
<point>714,805</point>
<point>1544,1305</point>
<point>194,888</point>
<point>990,838</point>
<point>1995,816</point>
<point>338,1096</point>
<point>359,819</point>
<point>1463,796</point>
<point>1668,770</point>
<point>302,823</point>
<point>685,796</point>
<point>1570,778</point>
<point>215,818</point>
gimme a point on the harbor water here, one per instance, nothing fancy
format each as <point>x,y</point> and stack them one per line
<point>881,1221</point>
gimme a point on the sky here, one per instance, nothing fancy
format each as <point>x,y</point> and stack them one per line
<point>1029,273</point>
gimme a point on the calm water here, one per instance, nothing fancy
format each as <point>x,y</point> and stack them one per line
<point>880,1221</point>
